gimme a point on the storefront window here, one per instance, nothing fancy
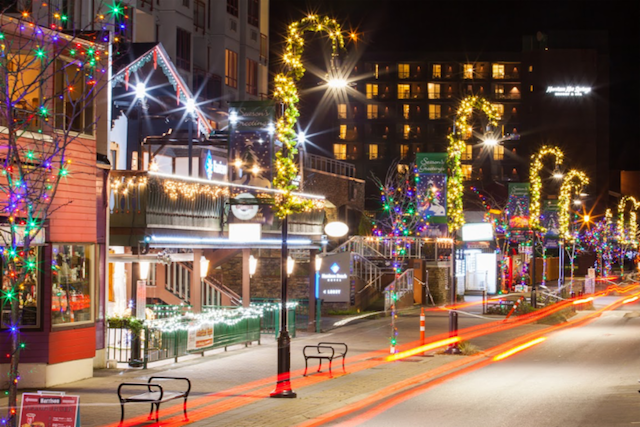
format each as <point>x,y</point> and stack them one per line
<point>28,295</point>
<point>72,278</point>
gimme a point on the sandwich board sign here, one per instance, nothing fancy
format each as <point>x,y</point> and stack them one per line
<point>47,409</point>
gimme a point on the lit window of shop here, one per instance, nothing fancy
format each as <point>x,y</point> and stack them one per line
<point>29,291</point>
<point>72,280</point>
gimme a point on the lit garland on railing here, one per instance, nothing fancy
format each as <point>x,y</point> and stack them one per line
<point>189,190</point>
<point>574,180</point>
<point>628,237</point>
<point>287,93</point>
<point>462,129</point>
<point>536,182</point>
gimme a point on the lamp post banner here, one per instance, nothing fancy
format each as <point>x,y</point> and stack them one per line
<point>432,185</point>
<point>335,278</point>
<point>550,221</point>
<point>519,206</point>
<point>251,143</point>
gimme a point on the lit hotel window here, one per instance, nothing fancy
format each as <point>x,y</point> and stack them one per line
<point>499,90</point>
<point>404,150</point>
<point>498,71</point>
<point>467,154</point>
<point>343,132</point>
<point>342,111</point>
<point>433,90</point>
<point>340,151</point>
<point>498,152</point>
<point>468,71</point>
<point>372,91</point>
<point>437,71</point>
<point>466,172</point>
<point>404,91</point>
<point>434,111</point>
<point>406,131</point>
<point>376,72</point>
<point>373,151</point>
<point>403,71</point>
<point>372,111</point>
<point>406,109</point>
<point>499,108</point>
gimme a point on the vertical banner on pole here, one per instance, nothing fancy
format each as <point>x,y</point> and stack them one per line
<point>518,206</point>
<point>550,221</point>
<point>432,190</point>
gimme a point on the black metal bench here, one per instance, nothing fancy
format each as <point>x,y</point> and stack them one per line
<point>327,351</point>
<point>155,395</point>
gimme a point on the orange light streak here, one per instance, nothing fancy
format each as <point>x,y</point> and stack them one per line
<point>422,349</point>
<point>583,300</point>
<point>518,349</point>
<point>627,301</point>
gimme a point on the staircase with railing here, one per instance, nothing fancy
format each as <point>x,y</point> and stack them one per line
<point>403,286</point>
<point>178,288</point>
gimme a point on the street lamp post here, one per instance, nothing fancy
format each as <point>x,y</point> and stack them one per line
<point>286,93</point>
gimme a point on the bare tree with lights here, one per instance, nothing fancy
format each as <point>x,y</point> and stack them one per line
<point>401,220</point>
<point>49,83</point>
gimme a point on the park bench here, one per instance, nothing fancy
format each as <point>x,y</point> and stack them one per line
<point>155,394</point>
<point>324,350</point>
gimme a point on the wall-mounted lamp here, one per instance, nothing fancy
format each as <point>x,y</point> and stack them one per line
<point>253,265</point>
<point>204,267</point>
<point>290,263</point>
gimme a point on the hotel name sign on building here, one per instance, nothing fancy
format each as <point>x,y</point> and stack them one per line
<point>568,91</point>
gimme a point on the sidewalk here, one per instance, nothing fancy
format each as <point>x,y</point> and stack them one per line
<point>232,388</point>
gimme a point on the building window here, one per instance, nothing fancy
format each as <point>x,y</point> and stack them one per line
<point>253,13</point>
<point>340,151</point>
<point>498,152</point>
<point>372,111</point>
<point>342,132</point>
<point>403,71</point>
<point>74,104</point>
<point>376,71</point>
<point>183,49</point>
<point>404,150</point>
<point>499,90</point>
<point>231,69</point>
<point>433,90</point>
<point>435,111</point>
<point>467,154</point>
<point>404,91</point>
<point>199,14</point>
<point>373,151</point>
<point>264,47</point>
<point>72,283</point>
<point>498,71</point>
<point>252,77</point>
<point>466,172</point>
<point>468,71</point>
<point>232,7</point>
<point>499,109</point>
<point>406,131</point>
<point>531,68</point>
<point>436,71</point>
<point>406,111</point>
<point>372,91</point>
<point>342,111</point>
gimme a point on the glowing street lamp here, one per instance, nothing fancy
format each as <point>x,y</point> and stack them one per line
<point>253,265</point>
<point>141,91</point>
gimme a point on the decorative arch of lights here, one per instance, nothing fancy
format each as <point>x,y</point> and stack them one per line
<point>536,181</point>
<point>627,236</point>
<point>461,132</point>
<point>573,182</point>
<point>286,93</point>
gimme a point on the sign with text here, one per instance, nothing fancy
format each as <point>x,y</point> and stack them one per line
<point>335,278</point>
<point>199,336</point>
<point>432,186</point>
<point>49,410</point>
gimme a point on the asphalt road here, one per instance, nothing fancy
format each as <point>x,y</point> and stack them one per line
<point>580,376</point>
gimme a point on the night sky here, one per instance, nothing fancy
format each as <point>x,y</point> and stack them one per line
<point>490,26</point>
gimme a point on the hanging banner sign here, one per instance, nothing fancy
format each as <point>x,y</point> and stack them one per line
<point>49,410</point>
<point>550,221</point>
<point>432,191</point>
<point>518,206</point>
